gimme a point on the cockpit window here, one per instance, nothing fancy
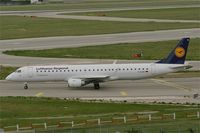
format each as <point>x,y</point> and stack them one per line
<point>18,71</point>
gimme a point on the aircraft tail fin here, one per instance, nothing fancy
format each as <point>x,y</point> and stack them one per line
<point>178,54</point>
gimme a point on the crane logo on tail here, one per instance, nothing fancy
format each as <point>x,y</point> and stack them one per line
<point>179,52</point>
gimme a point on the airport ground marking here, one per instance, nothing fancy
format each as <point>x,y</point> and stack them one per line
<point>123,93</point>
<point>40,94</point>
<point>170,84</point>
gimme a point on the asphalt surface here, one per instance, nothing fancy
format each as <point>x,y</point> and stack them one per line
<point>170,89</point>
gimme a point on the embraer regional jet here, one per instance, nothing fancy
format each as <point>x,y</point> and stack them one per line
<point>81,75</point>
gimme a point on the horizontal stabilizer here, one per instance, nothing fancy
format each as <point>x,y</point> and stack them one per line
<point>182,67</point>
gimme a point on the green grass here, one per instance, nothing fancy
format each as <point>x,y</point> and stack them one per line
<point>150,50</point>
<point>91,4</point>
<point>13,27</point>
<point>175,13</point>
<point>14,108</point>
<point>151,127</point>
<point>4,71</point>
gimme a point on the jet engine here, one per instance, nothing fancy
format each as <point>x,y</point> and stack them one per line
<point>75,82</point>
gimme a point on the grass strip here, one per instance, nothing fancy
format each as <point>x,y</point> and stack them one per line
<point>5,71</point>
<point>150,51</point>
<point>14,109</point>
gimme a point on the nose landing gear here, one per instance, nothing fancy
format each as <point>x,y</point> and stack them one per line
<point>25,85</point>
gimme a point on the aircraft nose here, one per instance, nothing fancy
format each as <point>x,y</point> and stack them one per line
<point>9,77</point>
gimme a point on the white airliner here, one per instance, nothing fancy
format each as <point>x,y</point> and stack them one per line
<point>81,75</point>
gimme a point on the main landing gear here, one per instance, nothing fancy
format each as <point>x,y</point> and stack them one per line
<point>96,86</point>
<point>25,85</point>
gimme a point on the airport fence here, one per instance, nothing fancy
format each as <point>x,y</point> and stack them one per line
<point>130,128</point>
<point>121,124</point>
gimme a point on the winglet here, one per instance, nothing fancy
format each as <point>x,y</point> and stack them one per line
<point>178,54</point>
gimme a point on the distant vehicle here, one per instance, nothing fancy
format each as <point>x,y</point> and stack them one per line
<point>81,75</point>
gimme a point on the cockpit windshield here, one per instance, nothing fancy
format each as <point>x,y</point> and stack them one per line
<point>18,71</point>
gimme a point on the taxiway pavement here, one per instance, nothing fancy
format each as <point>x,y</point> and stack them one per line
<point>171,89</point>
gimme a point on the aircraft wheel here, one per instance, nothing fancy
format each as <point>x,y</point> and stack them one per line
<point>25,86</point>
<point>96,86</point>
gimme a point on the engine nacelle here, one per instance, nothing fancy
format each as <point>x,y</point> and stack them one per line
<point>75,82</point>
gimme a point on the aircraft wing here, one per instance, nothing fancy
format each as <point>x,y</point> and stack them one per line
<point>92,78</point>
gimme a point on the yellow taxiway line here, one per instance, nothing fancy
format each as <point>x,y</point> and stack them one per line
<point>170,84</point>
<point>123,93</point>
<point>40,94</point>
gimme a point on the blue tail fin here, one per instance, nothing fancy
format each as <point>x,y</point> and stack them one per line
<point>178,54</point>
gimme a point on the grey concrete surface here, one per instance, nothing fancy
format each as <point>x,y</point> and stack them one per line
<point>152,88</point>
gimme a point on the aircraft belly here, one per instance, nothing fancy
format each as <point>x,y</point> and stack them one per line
<point>134,76</point>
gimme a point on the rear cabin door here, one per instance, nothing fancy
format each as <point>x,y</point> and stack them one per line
<point>153,69</point>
